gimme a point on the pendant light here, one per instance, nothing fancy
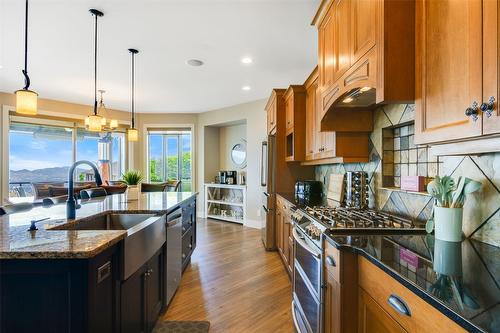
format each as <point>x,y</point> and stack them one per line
<point>26,100</point>
<point>113,123</point>
<point>94,121</point>
<point>133,133</point>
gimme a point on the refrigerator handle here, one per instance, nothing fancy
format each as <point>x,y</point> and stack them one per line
<point>263,165</point>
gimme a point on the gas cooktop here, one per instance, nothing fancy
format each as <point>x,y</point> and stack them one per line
<point>317,220</point>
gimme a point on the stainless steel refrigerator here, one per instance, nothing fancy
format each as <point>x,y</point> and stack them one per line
<point>268,183</point>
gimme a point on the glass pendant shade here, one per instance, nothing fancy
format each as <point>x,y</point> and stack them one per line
<point>113,123</point>
<point>95,123</point>
<point>26,102</point>
<point>132,135</point>
<point>103,121</point>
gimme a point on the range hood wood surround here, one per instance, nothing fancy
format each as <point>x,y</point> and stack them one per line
<point>364,44</point>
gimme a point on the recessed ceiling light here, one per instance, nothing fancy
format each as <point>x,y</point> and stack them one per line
<point>194,62</point>
<point>246,88</point>
<point>246,60</point>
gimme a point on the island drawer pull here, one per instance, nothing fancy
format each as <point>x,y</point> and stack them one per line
<point>103,272</point>
<point>399,305</point>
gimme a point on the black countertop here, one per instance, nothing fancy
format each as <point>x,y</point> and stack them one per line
<point>459,279</point>
<point>462,280</point>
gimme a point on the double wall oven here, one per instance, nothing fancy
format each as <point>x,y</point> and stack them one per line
<point>307,303</point>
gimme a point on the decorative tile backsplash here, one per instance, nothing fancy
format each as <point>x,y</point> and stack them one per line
<point>401,157</point>
<point>482,209</point>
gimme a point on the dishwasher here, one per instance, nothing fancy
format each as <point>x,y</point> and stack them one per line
<point>174,254</point>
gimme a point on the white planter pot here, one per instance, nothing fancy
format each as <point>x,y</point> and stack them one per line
<point>132,192</point>
<point>448,224</point>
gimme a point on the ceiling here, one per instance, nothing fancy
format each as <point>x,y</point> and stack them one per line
<point>276,34</point>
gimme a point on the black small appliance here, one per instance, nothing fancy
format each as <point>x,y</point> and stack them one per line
<point>309,190</point>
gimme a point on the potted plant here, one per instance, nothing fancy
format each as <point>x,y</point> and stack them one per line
<point>133,178</point>
<point>449,197</point>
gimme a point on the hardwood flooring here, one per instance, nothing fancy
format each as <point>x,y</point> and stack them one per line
<point>233,283</point>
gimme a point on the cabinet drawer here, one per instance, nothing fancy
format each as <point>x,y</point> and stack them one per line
<point>422,316</point>
<point>332,261</point>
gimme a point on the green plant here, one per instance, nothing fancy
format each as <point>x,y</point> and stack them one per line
<point>450,194</point>
<point>132,177</point>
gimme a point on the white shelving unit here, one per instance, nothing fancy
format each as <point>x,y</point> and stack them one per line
<point>226,202</point>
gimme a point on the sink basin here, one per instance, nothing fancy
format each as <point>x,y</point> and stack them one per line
<point>146,234</point>
<point>111,221</point>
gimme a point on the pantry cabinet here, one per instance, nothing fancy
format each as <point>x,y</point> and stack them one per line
<point>456,96</point>
<point>365,56</point>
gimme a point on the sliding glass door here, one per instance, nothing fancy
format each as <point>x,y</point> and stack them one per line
<point>169,157</point>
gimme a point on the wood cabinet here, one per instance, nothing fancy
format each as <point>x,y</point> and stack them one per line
<point>340,276</point>
<point>379,287</point>
<point>452,91</point>
<point>373,319</point>
<point>272,110</point>
<point>322,146</point>
<point>366,53</point>
<point>284,233</point>
<point>142,296</point>
<point>295,116</point>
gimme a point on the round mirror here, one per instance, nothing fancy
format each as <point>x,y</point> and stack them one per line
<point>239,155</point>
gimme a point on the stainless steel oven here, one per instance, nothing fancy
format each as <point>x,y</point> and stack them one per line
<point>308,296</point>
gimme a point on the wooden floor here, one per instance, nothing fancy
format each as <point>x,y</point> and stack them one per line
<point>233,283</point>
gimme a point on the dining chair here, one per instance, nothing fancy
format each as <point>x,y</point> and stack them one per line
<point>16,208</point>
<point>95,192</point>
<point>174,185</point>
<point>153,187</point>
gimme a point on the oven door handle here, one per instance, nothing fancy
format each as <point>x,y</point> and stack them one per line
<point>295,322</point>
<point>303,243</point>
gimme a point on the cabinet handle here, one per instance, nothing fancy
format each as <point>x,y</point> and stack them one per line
<point>472,111</point>
<point>330,261</point>
<point>399,305</point>
<point>488,107</point>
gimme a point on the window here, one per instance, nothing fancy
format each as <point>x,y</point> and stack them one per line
<point>169,156</point>
<point>42,151</point>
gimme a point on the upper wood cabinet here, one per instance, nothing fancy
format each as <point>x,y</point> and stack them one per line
<point>295,111</point>
<point>365,57</point>
<point>272,110</point>
<point>457,96</point>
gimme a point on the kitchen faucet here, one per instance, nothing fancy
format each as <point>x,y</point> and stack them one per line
<point>71,202</point>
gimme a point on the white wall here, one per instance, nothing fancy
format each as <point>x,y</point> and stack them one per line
<point>254,115</point>
<point>211,146</point>
<point>228,137</point>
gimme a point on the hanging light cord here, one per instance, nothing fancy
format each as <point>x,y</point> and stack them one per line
<point>95,66</point>
<point>25,70</point>
<point>133,84</point>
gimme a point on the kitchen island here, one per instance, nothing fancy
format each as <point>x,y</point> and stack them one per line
<point>67,277</point>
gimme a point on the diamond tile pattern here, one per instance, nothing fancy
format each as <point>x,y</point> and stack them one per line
<point>481,211</point>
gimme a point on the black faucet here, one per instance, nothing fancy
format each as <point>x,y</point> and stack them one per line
<point>71,202</point>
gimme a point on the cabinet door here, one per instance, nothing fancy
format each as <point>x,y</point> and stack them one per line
<point>448,70</point>
<point>332,304</point>
<point>328,144</point>
<point>311,120</point>
<point>372,318</point>
<point>133,303</point>
<point>491,59</point>
<point>154,296</point>
<point>363,33</point>
<point>289,112</point>
<point>279,229</point>
<point>285,235</point>
<point>334,41</point>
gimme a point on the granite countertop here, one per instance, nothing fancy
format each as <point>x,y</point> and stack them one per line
<point>462,280</point>
<point>16,242</point>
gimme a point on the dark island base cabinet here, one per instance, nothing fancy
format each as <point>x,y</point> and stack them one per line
<point>142,296</point>
<point>59,295</point>
<point>188,232</point>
